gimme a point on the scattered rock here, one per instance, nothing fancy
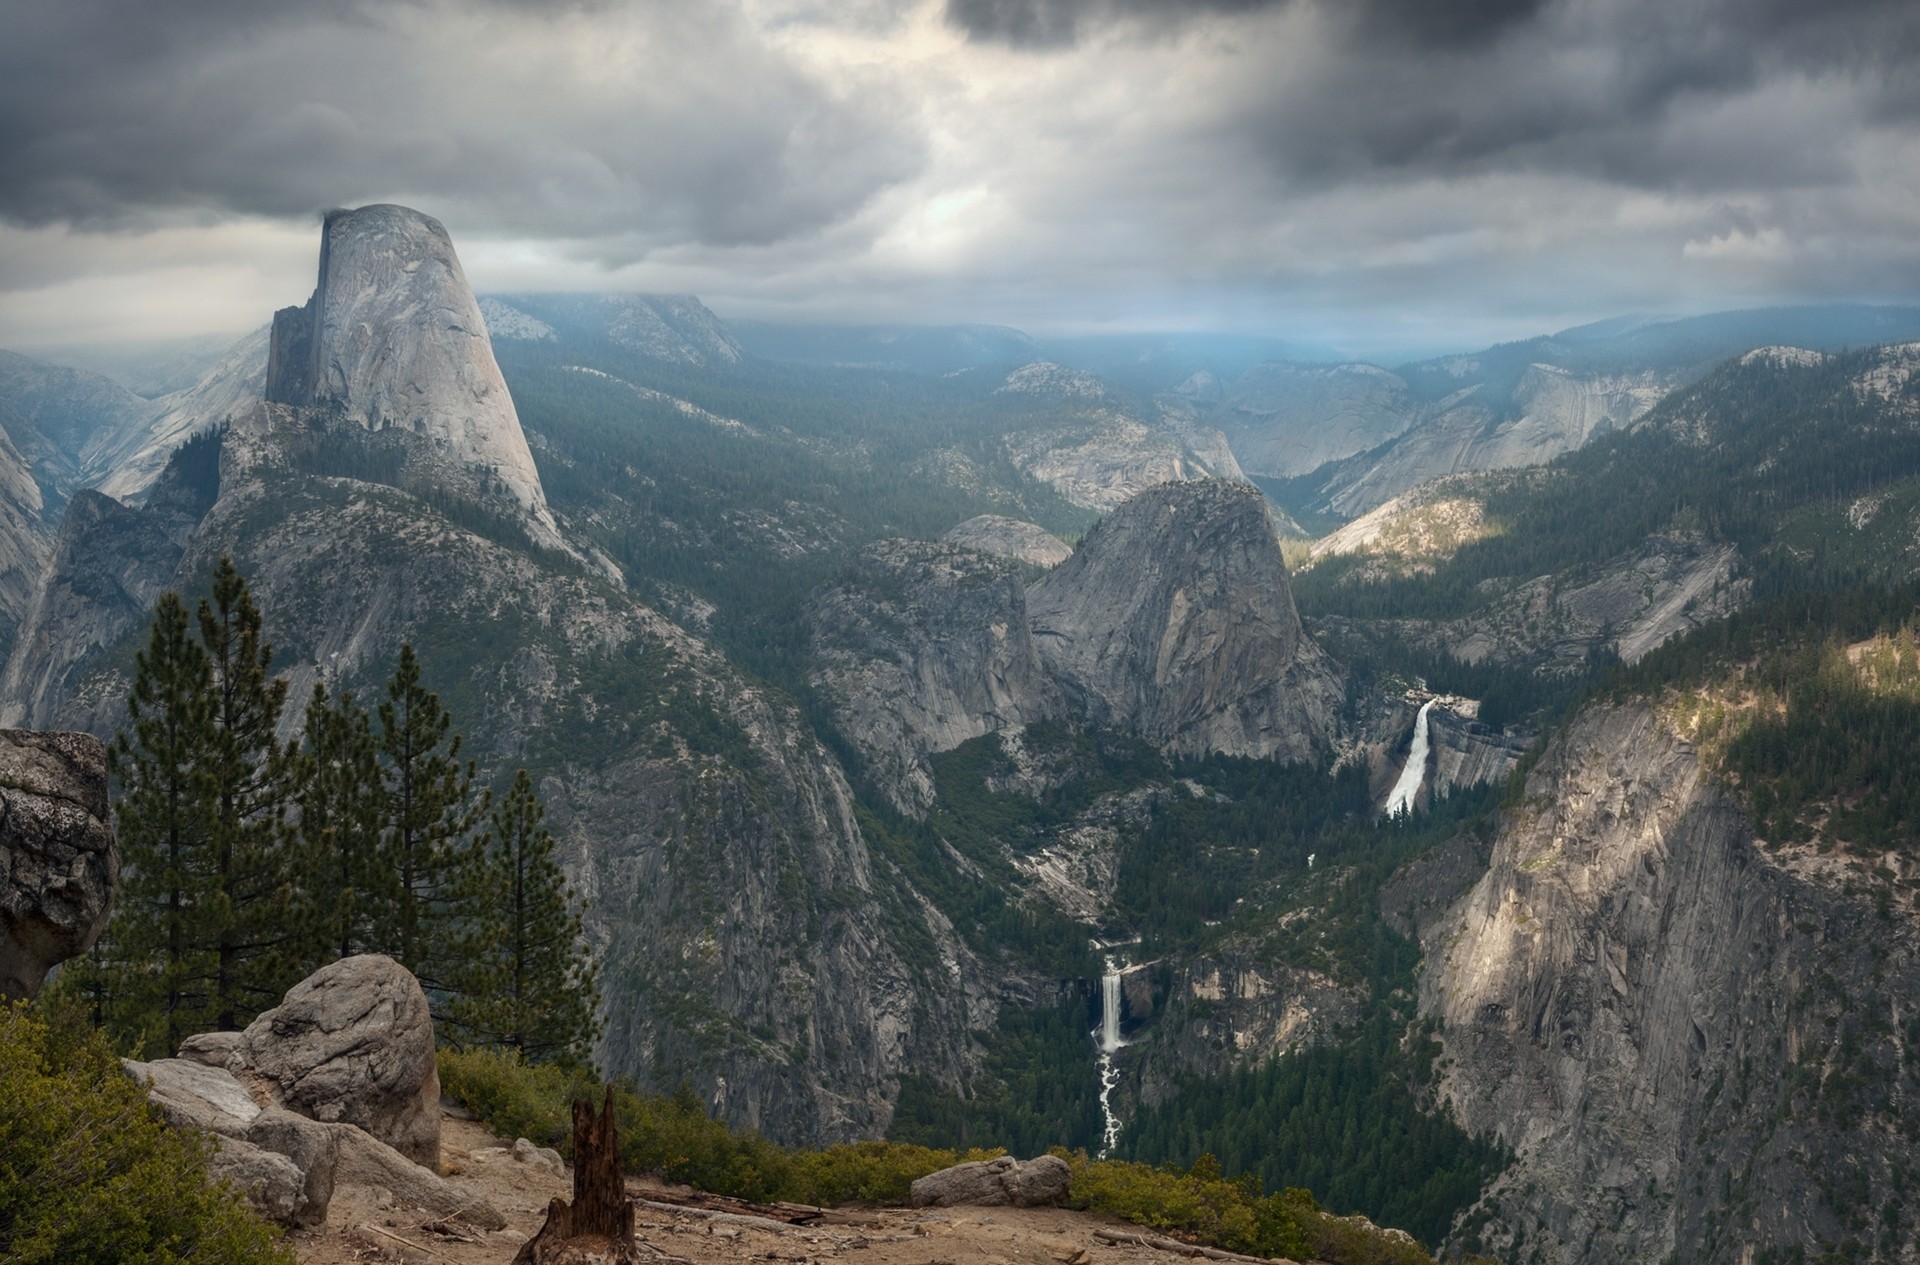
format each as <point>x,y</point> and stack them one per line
<point>543,1157</point>
<point>990,1183</point>
<point>353,1044</point>
<point>58,862</point>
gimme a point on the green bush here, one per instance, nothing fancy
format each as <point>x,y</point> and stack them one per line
<point>90,1173</point>
<point>1202,1206</point>
<point>674,1138</point>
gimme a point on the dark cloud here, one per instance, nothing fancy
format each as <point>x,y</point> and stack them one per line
<point>674,121</point>
<point>1062,23</point>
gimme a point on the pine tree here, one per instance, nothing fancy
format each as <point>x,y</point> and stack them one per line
<point>430,814</point>
<point>157,965</point>
<point>530,984</point>
<point>254,776</point>
<point>348,895</point>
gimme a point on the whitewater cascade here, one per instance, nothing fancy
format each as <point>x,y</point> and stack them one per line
<point>1400,799</point>
<point>1108,1034</point>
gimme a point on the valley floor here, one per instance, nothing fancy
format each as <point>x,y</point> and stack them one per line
<point>366,1224</point>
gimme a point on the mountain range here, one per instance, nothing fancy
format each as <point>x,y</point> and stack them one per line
<point>903,697</point>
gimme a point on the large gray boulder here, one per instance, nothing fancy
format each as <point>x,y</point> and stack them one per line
<point>288,1165</point>
<point>58,861</point>
<point>1042,1180</point>
<point>352,1044</point>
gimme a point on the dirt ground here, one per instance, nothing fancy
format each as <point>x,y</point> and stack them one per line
<point>365,1224</point>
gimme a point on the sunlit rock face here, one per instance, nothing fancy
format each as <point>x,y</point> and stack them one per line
<point>393,337</point>
<point>1174,620</point>
<point>1682,1034</point>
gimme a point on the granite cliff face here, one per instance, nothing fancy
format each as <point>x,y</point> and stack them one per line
<point>1697,1046</point>
<point>58,861</point>
<point>1174,620</point>
<point>924,646</point>
<point>1011,539</point>
<point>749,938</point>
<point>393,337</point>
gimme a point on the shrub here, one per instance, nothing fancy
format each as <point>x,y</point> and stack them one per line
<point>90,1173</point>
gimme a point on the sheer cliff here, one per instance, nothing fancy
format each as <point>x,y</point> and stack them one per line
<point>1174,620</point>
<point>1699,1046</point>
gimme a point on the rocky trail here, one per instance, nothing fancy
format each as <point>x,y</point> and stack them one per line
<point>676,1224</point>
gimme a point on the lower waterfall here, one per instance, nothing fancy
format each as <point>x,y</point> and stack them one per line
<point>1400,799</point>
<point>1108,1034</point>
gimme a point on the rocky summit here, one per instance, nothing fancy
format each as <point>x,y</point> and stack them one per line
<point>393,338</point>
<point>1174,619</point>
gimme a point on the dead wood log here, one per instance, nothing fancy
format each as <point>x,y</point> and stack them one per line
<point>597,1226</point>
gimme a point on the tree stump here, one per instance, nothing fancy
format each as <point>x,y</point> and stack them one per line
<point>597,1227</point>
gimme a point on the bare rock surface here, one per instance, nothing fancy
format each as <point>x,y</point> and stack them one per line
<point>194,1096</point>
<point>1032,1183</point>
<point>393,337</point>
<point>1174,619</point>
<point>1010,538</point>
<point>1669,1023</point>
<point>922,647</point>
<point>273,1183</point>
<point>58,860</point>
<point>353,1043</point>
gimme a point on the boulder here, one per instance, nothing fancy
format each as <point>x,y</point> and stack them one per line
<point>542,1157</point>
<point>273,1183</point>
<point>314,1149</point>
<point>58,862</point>
<point>996,1182</point>
<point>351,1044</point>
<point>194,1096</point>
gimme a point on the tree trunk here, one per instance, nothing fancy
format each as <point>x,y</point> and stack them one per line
<point>598,1225</point>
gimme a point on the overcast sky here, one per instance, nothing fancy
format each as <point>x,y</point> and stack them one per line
<point>1370,174</point>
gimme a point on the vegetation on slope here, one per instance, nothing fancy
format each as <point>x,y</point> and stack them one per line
<point>89,1172</point>
<point>673,1138</point>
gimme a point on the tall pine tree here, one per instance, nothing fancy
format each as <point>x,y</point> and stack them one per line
<point>254,784</point>
<point>350,897</point>
<point>431,814</point>
<point>528,985</point>
<point>154,977</point>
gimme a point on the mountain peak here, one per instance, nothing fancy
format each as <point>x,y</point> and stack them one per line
<point>393,338</point>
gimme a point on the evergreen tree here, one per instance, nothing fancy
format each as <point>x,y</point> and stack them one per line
<point>253,776</point>
<point>349,896</point>
<point>529,984</point>
<point>430,814</point>
<point>155,973</point>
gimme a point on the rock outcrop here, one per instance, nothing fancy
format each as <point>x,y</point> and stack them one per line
<point>1009,538</point>
<point>335,1086</point>
<point>995,1183</point>
<point>1174,620</point>
<point>1679,1031</point>
<point>393,337</point>
<point>352,1043</point>
<point>923,647</point>
<point>58,860</point>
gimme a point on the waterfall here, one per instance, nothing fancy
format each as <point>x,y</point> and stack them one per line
<point>1110,1010</point>
<point>1108,1034</point>
<point>1400,800</point>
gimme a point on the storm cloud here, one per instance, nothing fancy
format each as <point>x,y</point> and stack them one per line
<point>1357,171</point>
